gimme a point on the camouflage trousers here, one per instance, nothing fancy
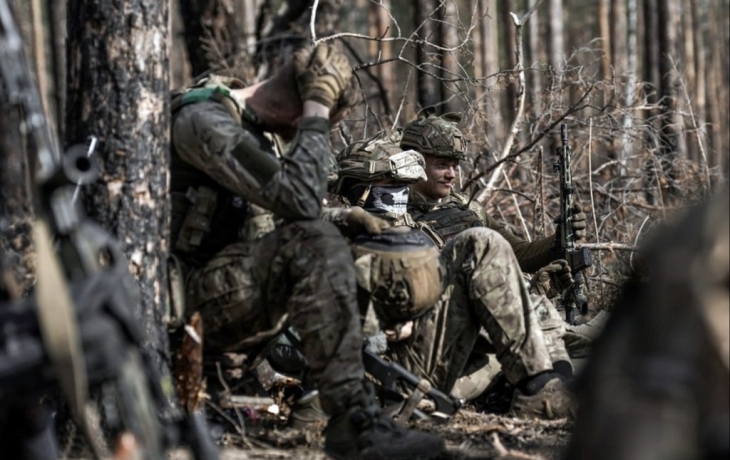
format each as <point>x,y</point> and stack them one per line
<point>303,270</point>
<point>484,289</point>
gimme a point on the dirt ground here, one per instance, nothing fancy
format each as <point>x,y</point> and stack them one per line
<point>468,435</point>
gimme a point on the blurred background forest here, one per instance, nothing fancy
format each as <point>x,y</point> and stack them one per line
<point>641,84</point>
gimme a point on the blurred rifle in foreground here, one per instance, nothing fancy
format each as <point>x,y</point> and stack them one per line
<point>579,259</point>
<point>80,318</point>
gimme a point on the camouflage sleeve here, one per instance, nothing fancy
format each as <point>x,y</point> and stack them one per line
<point>532,256</point>
<point>206,136</point>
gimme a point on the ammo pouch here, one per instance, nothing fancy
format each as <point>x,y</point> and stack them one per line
<point>197,220</point>
<point>204,221</point>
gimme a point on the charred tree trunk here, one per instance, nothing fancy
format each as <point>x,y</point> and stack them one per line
<point>57,32</point>
<point>17,272</point>
<point>428,87</point>
<point>118,91</point>
<point>211,36</point>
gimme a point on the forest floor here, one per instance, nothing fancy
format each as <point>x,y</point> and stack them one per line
<point>468,435</point>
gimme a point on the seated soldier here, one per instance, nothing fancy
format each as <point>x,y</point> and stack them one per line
<point>475,280</point>
<point>450,212</point>
<point>301,272</point>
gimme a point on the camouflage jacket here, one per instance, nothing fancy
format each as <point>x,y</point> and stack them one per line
<point>455,214</point>
<point>224,165</point>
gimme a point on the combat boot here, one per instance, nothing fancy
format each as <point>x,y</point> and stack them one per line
<point>364,432</point>
<point>552,401</point>
<point>307,411</point>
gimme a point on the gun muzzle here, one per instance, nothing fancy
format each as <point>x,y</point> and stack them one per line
<point>79,167</point>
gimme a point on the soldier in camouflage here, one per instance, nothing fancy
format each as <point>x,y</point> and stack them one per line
<point>449,213</point>
<point>442,144</point>
<point>481,287</point>
<point>225,160</point>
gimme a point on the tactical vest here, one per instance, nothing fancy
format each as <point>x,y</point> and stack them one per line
<point>206,217</point>
<point>449,222</point>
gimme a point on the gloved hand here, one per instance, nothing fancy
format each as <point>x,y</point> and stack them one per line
<point>322,74</point>
<point>579,222</point>
<point>359,221</point>
<point>558,274</point>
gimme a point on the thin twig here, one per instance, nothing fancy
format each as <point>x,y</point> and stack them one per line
<point>312,31</point>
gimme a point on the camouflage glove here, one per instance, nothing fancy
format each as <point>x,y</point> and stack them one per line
<point>578,223</point>
<point>557,274</point>
<point>322,74</point>
<point>359,221</point>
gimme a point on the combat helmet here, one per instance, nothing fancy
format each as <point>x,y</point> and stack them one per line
<point>380,157</point>
<point>433,135</point>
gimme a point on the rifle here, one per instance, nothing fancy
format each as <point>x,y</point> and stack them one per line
<point>579,259</point>
<point>82,275</point>
<point>390,373</point>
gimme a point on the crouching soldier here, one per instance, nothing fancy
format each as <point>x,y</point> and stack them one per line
<point>301,272</point>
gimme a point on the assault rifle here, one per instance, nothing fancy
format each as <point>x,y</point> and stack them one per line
<point>572,298</point>
<point>82,277</point>
<point>389,374</point>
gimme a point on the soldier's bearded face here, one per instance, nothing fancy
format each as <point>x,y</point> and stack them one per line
<point>441,173</point>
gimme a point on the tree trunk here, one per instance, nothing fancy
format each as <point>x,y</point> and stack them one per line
<point>699,21</point>
<point>510,63</point>
<point>17,272</point>
<point>57,32</point>
<point>717,99</point>
<point>630,92</point>
<point>246,11</point>
<point>450,92</point>
<point>690,75</point>
<point>604,31</point>
<point>651,88</point>
<point>556,44</point>
<point>211,35</point>
<point>118,91</point>
<point>428,85</point>
<point>534,47</point>
<point>618,38</point>
<point>380,24</point>
<point>669,134</point>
